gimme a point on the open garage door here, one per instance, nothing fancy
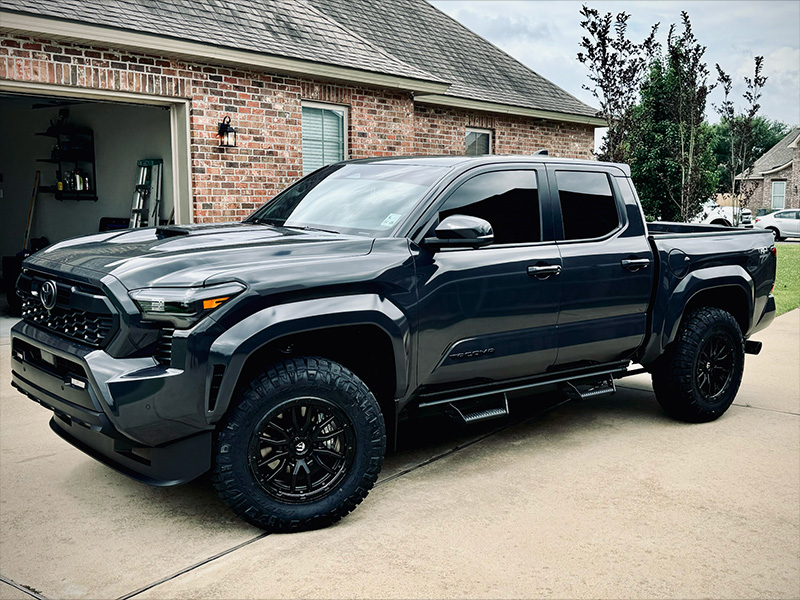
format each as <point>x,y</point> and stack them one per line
<point>86,152</point>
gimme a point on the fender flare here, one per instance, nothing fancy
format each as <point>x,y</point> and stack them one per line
<point>237,344</point>
<point>694,283</point>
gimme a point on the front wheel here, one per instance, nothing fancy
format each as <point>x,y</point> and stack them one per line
<point>700,372</point>
<point>301,448</point>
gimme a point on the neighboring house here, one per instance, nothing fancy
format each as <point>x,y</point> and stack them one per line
<point>776,176</point>
<point>304,82</point>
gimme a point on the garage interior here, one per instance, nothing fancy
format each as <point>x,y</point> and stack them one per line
<point>96,193</point>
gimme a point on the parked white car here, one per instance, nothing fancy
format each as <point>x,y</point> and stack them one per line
<point>782,223</point>
<point>714,214</point>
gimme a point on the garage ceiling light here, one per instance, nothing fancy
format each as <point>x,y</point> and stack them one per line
<point>226,133</point>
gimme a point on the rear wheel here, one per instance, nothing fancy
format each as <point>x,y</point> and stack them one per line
<point>301,448</point>
<point>775,234</point>
<point>699,374</point>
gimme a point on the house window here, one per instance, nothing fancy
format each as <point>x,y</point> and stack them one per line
<point>778,194</point>
<point>479,142</point>
<point>324,135</point>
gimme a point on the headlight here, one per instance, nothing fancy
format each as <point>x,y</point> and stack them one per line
<point>183,306</point>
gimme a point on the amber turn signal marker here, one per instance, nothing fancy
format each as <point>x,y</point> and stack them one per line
<point>213,303</point>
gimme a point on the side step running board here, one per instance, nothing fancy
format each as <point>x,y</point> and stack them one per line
<point>483,414</point>
<point>605,388</point>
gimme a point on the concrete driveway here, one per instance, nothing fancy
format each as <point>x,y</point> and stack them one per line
<point>602,498</point>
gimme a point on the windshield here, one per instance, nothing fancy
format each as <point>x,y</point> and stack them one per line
<point>365,199</point>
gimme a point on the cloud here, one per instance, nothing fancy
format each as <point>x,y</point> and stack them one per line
<point>544,36</point>
<point>505,26</point>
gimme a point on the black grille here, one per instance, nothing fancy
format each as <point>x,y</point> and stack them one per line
<point>87,327</point>
<point>82,313</point>
<point>164,349</point>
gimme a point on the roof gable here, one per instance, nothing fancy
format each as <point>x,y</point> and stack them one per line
<point>779,155</point>
<point>434,42</point>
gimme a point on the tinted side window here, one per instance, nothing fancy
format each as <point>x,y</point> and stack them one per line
<point>588,209</point>
<point>509,200</point>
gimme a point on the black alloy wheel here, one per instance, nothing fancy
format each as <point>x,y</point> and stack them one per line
<point>714,368</point>
<point>301,449</point>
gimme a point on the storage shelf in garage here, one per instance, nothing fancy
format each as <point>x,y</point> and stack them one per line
<point>75,147</point>
<point>88,195</point>
<point>69,158</point>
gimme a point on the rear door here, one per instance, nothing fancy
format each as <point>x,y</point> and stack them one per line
<point>789,222</point>
<point>607,265</point>
<point>490,313</point>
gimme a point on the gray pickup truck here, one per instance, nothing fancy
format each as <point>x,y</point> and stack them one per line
<point>279,353</point>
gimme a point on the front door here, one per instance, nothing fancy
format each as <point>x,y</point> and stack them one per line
<point>491,313</point>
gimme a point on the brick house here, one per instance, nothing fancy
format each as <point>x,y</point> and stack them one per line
<point>777,176</point>
<point>304,82</point>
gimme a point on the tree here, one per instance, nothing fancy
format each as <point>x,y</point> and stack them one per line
<point>739,129</point>
<point>766,133</point>
<point>616,67</point>
<point>672,160</point>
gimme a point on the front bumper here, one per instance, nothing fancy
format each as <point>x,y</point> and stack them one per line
<point>139,417</point>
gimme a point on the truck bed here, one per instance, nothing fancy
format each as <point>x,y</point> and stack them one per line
<point>688,254</point>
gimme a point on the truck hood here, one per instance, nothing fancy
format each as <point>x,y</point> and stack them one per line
<point>194,255</point>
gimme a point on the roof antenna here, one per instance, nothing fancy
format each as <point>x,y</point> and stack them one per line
<point>542,152</point>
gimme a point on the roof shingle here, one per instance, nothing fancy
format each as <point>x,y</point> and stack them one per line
<point>777,156</point>
<point>405,38</point>
<point>431,40</point>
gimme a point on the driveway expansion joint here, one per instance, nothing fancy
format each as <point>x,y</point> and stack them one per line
<point>33,593</point>
<point>775,410</point>
<point>194,566</point>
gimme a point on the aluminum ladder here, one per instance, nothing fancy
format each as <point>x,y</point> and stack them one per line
<point>148,185</point>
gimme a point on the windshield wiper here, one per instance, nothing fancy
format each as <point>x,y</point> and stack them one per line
<point>257,221</point>
<point>278,223</point>
<point>308,228</point>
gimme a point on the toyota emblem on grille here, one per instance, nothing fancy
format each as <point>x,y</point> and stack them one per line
<point>48,292</point>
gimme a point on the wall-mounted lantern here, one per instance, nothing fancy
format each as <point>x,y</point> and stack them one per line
<point>226,133</point>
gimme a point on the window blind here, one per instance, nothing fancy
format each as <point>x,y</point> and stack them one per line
<point>323,137</point>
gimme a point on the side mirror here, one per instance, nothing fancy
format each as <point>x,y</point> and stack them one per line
<point>461,231</point>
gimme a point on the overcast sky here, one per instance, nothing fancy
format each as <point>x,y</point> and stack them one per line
<point>544,35</point>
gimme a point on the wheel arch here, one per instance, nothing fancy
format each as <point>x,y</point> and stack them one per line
<point>316,327</point>
<point>728,287</point>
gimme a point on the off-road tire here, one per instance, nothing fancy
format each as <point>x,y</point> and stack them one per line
<point>697,378</point>
<point>272,402</point>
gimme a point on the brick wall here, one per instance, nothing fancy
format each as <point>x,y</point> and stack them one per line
<point>229,183</point>
<point>440,130</point>
<point>762,196</point>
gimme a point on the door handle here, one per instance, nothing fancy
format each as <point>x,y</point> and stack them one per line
<point>544,271</point>
<point>634,264</point>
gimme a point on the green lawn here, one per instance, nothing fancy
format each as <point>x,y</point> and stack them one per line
<point>787,284</point>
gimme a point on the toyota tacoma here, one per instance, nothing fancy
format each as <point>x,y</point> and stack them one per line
<point>279,353</point>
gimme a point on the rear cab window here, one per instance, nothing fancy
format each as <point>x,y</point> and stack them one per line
<point>588,207</point>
